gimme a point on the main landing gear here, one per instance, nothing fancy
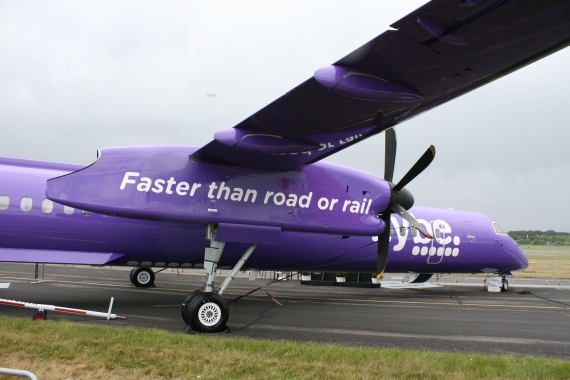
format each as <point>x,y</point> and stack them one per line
<point>206,311</point>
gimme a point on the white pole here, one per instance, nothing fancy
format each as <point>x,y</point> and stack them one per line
<point>43,307</point>
<point>110,307</point>
<point>18,372</point>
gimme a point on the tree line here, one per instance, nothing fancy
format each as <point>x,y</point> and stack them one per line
<point>549,237</point>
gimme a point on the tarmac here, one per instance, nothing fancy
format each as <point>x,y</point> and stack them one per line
<point>531,318</point>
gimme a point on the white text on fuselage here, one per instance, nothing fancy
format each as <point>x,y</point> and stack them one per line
<point>238,194</point>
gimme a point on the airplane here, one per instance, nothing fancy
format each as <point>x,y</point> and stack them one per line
<point>258,196</point>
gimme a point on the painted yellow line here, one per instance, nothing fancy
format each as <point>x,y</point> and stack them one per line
<point>177,305</point>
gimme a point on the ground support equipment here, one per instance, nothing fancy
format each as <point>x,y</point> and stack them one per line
<point>41,310</point>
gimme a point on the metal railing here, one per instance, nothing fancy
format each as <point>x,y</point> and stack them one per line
<point>545,270</point>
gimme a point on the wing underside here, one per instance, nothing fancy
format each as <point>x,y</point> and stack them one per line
<point>440,51</point>
<point>48,256</point>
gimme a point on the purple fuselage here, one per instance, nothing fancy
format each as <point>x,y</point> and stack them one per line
<point>327,215</point>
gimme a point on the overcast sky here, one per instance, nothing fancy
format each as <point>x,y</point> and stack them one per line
<point>78,76</point>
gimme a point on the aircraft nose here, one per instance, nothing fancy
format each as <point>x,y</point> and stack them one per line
<point>517,254</point>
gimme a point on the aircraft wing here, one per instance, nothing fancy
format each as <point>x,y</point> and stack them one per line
<point>48,256</point>
<point>440,51</point>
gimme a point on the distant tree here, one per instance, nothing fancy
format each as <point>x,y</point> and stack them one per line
<point>548,237</point>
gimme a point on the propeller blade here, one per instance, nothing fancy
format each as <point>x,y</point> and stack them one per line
<point>418,167</point>
<point>383,245</point>
<point>398,209</point>
<point>390,154</point>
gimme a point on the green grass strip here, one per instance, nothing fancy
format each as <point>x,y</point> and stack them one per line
<point>59,349</point>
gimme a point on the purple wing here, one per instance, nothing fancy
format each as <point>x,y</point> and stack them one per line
<point>56,257</point>
<point>39,164</point>
<point>438,52</point>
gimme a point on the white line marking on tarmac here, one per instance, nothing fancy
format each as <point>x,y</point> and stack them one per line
<point>457,338</point>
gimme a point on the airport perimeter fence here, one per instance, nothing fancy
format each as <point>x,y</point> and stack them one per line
<point>545,270</point>
<point>536,270</point>
<point>540,271</point>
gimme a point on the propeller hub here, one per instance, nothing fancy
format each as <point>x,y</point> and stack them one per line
<point>403,197</point>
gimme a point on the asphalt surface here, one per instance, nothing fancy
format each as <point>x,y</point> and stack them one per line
<point>522,321</point>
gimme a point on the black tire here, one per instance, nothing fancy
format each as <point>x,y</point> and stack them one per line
<point>142,277</point>
<point>185,307</point>
<point>505,286</point>
<point>39,315</point>
<point>208,313</point>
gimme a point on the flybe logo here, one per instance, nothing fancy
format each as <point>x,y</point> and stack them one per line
<point>443,244</point>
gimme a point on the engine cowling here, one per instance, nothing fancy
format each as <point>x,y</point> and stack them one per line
<point>162,183</point>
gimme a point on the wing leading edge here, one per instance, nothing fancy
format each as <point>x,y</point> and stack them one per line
<point>439,52</point>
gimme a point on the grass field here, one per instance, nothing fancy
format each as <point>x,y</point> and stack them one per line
<point>64,350</point>
<point>531,250</point>
<point>546,262</point>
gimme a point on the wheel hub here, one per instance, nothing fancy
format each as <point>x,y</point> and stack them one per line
<point>143,277</point>
<point>209,314</point>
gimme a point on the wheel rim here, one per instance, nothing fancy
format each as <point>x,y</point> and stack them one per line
<point>143,277</point>
<point>209,314</point>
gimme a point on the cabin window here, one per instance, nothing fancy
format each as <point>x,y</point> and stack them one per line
<point>47,206</point>
<point>498,229</point>
<point>4,202</point>
<point>26,204</point>
<point>68,210</point>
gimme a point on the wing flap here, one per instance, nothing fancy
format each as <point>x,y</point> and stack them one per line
<point>388,55</point>
<point>440,13</point>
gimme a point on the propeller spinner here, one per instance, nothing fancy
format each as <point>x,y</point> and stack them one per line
<point>401,199</point>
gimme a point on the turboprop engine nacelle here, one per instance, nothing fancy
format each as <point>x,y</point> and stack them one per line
<point>162,183</point>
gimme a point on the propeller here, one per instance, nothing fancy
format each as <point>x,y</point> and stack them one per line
<point>401,200</point>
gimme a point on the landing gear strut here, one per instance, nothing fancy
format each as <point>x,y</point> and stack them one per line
<point>206,311</point>
<point>142,277</point>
